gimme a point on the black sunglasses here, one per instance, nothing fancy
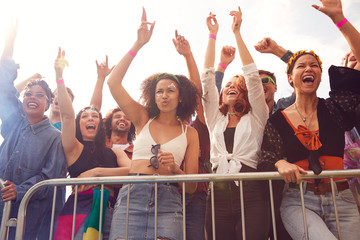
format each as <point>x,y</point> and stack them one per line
<point>154,161</point>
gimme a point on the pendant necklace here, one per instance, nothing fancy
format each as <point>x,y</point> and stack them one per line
<point>304,118</point>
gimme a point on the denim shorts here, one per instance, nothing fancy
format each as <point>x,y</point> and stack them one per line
<point>141,223</point>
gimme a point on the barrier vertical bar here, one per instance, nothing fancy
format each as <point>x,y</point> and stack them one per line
<point>212,210</point>
<point>5,216</point>
<point>101,210</point>
<point>303,210</point>
<point>53,213</point>
<point>335,206</point>
<point>242,209</point>
<point>272,209</point>
<point>74,213</point>
<point>184,210</point>
<point>127,212</point>
<point>156,205</point>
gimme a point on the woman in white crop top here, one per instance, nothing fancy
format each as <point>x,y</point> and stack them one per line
<point>162,143</point>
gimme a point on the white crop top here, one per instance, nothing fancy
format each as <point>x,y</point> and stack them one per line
<point>144,141</point>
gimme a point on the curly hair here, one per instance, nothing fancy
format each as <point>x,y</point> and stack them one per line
<point>242,104</point>
<point>99,142</point>
<point>50,96</point>
<point>188,95</point>
<point>107,124</point>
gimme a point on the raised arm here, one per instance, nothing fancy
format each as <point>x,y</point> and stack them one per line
<point>72,147</point>
<point>213,27</point>
<point>244,53</point>
<point>133,110</point>
<point>103,71</point>
<point>183,47</point>
<point>333,9</point>
<point>268,45</point>
<point>226,57</point>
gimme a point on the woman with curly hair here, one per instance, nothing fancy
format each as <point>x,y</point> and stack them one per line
<point>236,120</point>
<point>83,140</point>
<point>309,135</point>
<point>162,143</point>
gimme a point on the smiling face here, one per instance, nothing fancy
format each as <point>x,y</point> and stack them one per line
<point>306,75</point>
<point>167,95</point>
<point>269,89</point>
<point>231,92</point>
<point>35,102</point>
<point>120,123</point>
<point>89,124</point>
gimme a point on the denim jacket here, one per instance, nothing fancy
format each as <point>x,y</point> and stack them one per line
<point>29,153</point>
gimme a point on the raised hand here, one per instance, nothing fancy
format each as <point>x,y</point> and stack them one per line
<point>144,33</point>
<point>331,8</point>
<point>267,45</point>
<point>212,24</point>
<point>103,69</point>
<point>237,20</point>
<point>60,63</point>
<point>181,44</point>
<point>227,55</point>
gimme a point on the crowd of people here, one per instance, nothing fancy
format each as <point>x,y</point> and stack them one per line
<point>238,128</point>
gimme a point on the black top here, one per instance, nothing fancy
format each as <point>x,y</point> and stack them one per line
<point>229,139</point>
<point>90,159</point>
<point>335,115</point>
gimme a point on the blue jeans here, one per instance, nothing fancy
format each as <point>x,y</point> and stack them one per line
<point>320,215</point>
<point>195,215</point>
<point>142,212</point>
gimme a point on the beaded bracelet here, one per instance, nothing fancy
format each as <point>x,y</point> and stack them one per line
<point>60,81</point>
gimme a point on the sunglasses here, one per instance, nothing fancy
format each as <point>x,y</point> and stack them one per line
<point>266,80</point>
<point>37,95</point>
<point>154,161</point>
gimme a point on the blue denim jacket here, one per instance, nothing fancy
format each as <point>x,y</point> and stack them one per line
<point>29,153</point>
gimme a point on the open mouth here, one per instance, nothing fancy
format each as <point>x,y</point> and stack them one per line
<point>308,79</point>
<point>90,126</point>
<point>232,92</point>
<point>32,105</point>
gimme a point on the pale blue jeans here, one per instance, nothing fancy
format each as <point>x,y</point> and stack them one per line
<point>320,215</point>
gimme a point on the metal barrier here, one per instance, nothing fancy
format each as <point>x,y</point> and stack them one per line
<point>240,177</point>
<point>6,223</point>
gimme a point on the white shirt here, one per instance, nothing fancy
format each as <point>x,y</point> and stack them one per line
<point>249,131</point>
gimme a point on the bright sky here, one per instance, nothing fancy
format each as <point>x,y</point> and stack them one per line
<point>89,30</point>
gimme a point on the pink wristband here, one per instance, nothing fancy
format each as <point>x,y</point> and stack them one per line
<point>212,36</point>
<point>132,53</point>
<point>60,81</point>
<point>222,65</point>
<point>342,22</point>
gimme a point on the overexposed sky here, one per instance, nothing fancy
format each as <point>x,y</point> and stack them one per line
<point>89,30</point>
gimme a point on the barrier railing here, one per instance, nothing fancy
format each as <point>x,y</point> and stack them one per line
<point>5,221</point>
<point>240,177</point>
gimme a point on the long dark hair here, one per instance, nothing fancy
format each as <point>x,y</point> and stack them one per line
<point>99,142</point>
